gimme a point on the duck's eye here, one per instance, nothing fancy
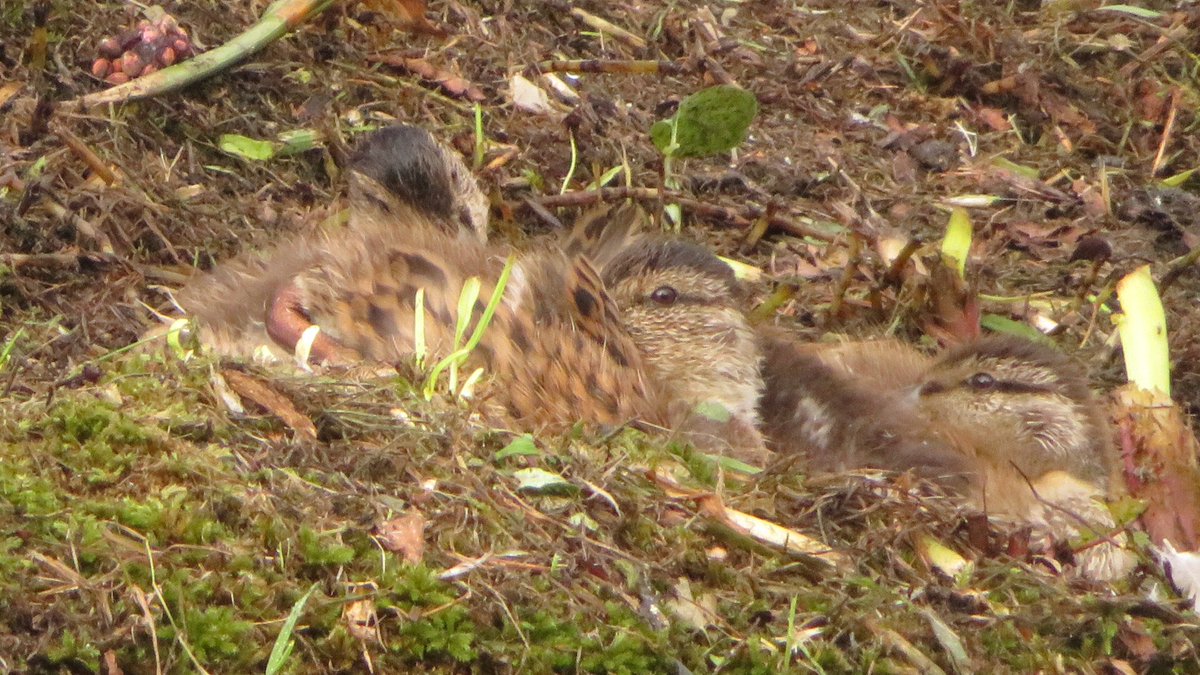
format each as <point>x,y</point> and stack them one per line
<point>664,295</point>
<point>981,381</point>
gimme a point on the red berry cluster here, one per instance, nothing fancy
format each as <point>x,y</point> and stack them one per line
<point>142,50</point>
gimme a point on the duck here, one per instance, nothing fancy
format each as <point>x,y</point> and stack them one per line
<point>611,324</point>
<point>1009,424</point>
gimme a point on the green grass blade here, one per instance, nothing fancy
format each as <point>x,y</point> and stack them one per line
<point>10,345</point>
<point>283,642</point>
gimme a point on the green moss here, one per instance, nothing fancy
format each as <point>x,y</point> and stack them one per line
<point>214,634</point>
<point>558,640</point>
<point>625,653</point>
<point>73,648</point>
<point>319,550</point>
<point>414,586</point>
<point>446,633</point>
<point>24,494</point>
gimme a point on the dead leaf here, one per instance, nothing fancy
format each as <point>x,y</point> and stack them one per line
<point>451,84</point>
<point>952,306</point>
<point>111,667</point>
<point>8,90</point>
<point>361,620</point>
<point>993,118</point>
<point>249,387</point>
<point>1094,204</point>
<point>528,96</point>
<point>1137,639</point>
<point>712,507</point>
<point>408,14</point>
<point>697,613</point>
<point>404,535</point>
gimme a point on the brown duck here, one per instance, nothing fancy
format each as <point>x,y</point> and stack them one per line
<point>1007,422</point>
<point>614,325</point>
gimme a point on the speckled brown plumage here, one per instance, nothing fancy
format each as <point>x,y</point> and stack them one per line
<point>1007,422</point>
<point>612,325</point>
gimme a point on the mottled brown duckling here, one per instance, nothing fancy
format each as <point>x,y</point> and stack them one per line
<point>1007,422</point>
<point>399,173</point>
<point>655,334</point>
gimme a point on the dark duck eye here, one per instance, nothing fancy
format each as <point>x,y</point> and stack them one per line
<point>664,295</point>
<point>981,381</point>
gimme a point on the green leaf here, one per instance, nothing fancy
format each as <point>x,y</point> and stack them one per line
<point>1019,169</point>
<point>951,644</point>
<point>543,481</point>
<point>522,445</point>
<point>714,411</point>
<point>1178,179</point>
<point>1003,324</point>
<point>246,148</point>
<point>709,122</point>
<point>731,464</point>
<point>1140,12</point>
<point>297,141</point>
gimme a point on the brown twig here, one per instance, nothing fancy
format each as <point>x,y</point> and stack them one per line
<point>616,66</point>
<point>76,144</point>
<point>1177,267</point>
<point>450,83</point>
<point>1166,135</point>
<point>1169,37</point>
<point>894,271</point>
<point>49,260</point>
<point>84,227</point>
<point>604,26</point>
<point>839,296</point>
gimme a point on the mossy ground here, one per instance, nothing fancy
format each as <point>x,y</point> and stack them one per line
<point>144,527</point>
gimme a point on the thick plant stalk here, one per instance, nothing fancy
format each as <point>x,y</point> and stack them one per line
<point>1158,448</point>
<point>281,17</point>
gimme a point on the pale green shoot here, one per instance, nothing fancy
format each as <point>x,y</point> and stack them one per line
<point>10,345</point>
<point>468,387</point>
<point>742,271</point>
<point>1019,169</point>
<point>461,354</point>
<point>175,342</point>
<point>606,178</point>
<point>571,170</point>
<point>1142,325</point>
<point>466,304</point>
<point>420,347</point>
<point>480,139</point>
<point>957,244</point>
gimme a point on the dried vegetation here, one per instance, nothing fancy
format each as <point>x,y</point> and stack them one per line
<point>144,527</point>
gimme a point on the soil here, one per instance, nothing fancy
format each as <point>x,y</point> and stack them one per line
<point>145,526</point>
